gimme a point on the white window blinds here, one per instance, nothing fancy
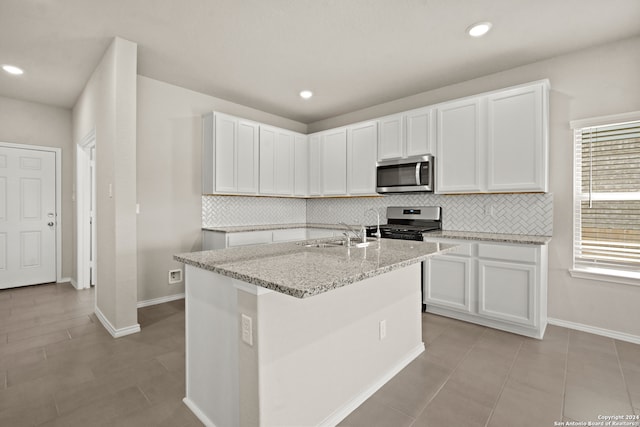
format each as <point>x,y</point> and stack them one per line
<point>607,199</point>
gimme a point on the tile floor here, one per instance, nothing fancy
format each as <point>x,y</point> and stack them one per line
<point>59,367</point>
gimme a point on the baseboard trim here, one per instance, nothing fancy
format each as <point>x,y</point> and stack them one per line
<point>116,333</point>
<point>341,413</point>
<point>73,283</point>
<point>198,413</point>
<point>595,330</point>
<point>160,300</point>
<point>66,280</point>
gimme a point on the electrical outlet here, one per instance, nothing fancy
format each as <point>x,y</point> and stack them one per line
<point>247,330</point>
<point>175,276</point>
<point>383,329</point>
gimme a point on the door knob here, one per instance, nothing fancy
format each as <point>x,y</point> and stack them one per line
<point>50,224</point>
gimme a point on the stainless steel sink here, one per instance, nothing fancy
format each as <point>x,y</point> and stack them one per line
<point>335,243</point>
<point>329,244</point>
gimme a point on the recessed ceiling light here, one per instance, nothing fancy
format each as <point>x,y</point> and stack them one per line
<point>479,29</point>
<point>306,94</point>
<point>12,69</point>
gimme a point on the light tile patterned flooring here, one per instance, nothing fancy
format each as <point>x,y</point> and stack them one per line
<point>59,367</point>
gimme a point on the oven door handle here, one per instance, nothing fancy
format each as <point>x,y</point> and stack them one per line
<point>418,166</point>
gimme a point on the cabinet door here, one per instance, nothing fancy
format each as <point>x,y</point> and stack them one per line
<point>361,158</point>
<point>301,166</point>
<point>225,153</point>
<point>517,142</point>
<point>283,174</point>
<point>315,159</point>
<point>247,153</point>
<point>507,292</point>
<point>267,159</point>
<point>460,147</point>
<point>208,154</point>
<point>319,233</point>
<point>390,142</point>
<point>447,282</point>
<point>420,132</point>
<point>334,162</point>
<point>249,238</point>
<point>290,235</point>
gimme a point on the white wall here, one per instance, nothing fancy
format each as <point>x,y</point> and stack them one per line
<point>108,105</point>
<point>169,139</point>
<point>595,82</point>
<point>30,123</point>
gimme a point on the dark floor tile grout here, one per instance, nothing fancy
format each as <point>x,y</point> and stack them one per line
<point>566,369</point>
<point>504,383</point>
<point>444,383</point>
<point>144,394</point>
<point>624,378</point>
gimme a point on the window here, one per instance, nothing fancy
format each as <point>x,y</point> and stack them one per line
<point>607,200</point>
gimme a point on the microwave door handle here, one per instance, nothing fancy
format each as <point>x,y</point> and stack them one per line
<point>418,167</point>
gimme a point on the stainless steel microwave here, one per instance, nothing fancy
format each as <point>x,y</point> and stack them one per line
<point>413,174</point>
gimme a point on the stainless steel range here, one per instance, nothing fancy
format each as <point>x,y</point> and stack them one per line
<point>408,223</point>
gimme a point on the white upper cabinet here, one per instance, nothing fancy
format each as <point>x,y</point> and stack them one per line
<point>361,158</point>
<point>226,131</point>
<point>497,142</point>
<point>247,157</point>
<point>301,165</point>
<point>276,161</point>
<point>267,159</point>
<point>333,158</point>
<point>517,157</point>
<point>391,141</point>
<point>494,142</point>
<point>315,162</point>
<point>460,146</point>
<point>284,169</point>
<point>420,132</point>
<point>230,155</point>
<point>407,134</point>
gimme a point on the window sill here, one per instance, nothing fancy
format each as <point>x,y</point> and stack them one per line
<point>624,278</point>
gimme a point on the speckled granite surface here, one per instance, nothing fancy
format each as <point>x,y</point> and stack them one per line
<point>299,271</point>
<point>442,234</point>
<point>243,228</point>
<point>489,237</point>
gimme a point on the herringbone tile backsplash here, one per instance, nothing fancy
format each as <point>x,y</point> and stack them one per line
<point>221,211</point>
<point>494,213</point>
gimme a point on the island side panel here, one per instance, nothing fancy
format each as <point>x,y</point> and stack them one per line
<point>211,347</point>
<point>318,358</point>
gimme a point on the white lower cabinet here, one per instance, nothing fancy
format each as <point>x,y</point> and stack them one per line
<point>503,286</point>
<point>448,282</point>
<point>507,292</point>
<point>289,235</point>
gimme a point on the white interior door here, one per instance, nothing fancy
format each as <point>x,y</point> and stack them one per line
<point>27,217</point>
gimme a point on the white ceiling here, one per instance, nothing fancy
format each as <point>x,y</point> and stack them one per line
<point>352,53</point>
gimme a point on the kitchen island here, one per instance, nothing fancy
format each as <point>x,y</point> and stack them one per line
<point>299,334</point>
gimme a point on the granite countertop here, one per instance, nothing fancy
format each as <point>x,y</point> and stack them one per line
<point>299,271</point>
<point>243,228</point>
<point>489,237</point>
<point>442,234</point>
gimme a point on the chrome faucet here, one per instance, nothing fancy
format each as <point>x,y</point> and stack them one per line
<point>355,233</point>
<point>377,234</point>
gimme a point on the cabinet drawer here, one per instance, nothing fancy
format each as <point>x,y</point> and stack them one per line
<point>249,238</point>
<point>464,248</point>
<point>319,233</point>
<point>508,252</point>
<point>289,235</point>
